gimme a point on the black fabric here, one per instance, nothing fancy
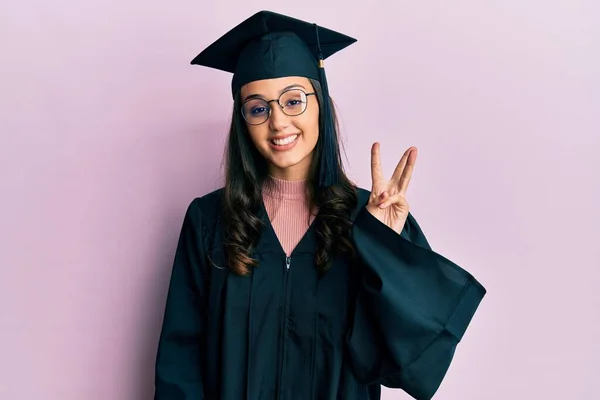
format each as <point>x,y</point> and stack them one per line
<point>271,45</point>
<point>394,317</point>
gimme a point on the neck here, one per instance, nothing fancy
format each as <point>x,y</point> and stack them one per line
<point>286,189</point>
<point>290,174</point>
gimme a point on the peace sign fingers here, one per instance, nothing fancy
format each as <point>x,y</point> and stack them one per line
<point>388,197</point>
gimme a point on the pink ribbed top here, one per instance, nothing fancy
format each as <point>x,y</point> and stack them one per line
<point>287,206</point>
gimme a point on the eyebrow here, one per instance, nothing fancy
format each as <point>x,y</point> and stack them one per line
<point>258,96</point>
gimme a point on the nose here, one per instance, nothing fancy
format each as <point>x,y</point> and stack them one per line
<point>278,120</point>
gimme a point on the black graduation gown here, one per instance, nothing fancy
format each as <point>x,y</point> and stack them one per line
<point>393,318</point>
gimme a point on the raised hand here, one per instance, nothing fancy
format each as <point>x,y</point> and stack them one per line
<point>388,197</point>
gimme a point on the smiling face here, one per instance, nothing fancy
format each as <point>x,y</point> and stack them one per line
<point>287,142</point>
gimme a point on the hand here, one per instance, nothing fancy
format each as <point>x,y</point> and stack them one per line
<point>388,197</point>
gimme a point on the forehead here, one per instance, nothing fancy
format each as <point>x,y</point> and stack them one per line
<point>273,87</point>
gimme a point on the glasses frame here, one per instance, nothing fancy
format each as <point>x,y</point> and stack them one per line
<point>278,103</point>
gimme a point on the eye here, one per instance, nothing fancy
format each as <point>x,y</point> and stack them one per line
<point>258,110</point>
<point>293,102</point>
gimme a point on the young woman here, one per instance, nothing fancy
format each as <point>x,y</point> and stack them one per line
<point>290,282</point>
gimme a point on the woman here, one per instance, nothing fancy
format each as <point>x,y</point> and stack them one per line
<point>290,282</point>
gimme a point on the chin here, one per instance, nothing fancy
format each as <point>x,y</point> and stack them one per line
<point>283,164</point>
<point>283,161</point>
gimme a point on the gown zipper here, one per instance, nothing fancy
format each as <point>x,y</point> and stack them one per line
<point>288,263</point>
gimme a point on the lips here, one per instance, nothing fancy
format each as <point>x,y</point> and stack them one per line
<point>282,141</point>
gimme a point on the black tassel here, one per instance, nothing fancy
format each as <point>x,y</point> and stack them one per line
<point>329,169</point>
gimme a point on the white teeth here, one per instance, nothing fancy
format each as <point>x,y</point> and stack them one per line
<point>283,142</point>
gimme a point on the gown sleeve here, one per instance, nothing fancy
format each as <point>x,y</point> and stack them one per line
<point>412,308</point>
<point>178,367</point>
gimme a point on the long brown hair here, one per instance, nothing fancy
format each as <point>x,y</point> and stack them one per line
<point>246,173</point>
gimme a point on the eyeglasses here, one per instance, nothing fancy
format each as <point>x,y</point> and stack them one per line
<point>292,102</point>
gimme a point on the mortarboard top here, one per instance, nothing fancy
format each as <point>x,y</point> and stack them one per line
<point>270,45</point>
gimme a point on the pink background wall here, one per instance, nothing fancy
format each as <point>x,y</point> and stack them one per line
<point>107,133</point>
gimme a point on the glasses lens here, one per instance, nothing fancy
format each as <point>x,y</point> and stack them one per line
<point>255,111</point>
<point>293,102</point>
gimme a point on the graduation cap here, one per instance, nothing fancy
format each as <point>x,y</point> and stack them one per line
<point>271,45</point>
